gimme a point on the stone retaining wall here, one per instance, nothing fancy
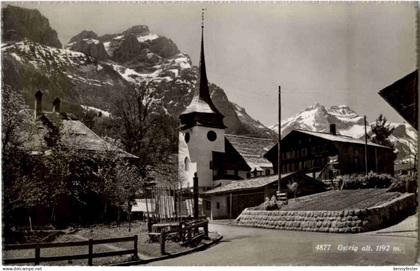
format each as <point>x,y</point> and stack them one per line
<point>349,221</point>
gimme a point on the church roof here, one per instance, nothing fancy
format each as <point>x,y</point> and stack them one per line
<point>252,149</point>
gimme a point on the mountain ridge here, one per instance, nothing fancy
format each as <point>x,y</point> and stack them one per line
<point>86,75</point>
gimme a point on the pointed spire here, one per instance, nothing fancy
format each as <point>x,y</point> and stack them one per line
<point>204,92</point>
<point>201,102</point>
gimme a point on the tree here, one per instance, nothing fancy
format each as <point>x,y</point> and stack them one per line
<point>145,129</point>
<point>381,130</point>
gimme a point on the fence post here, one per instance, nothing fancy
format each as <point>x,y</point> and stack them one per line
<point>162,242</point>
<point>90,252</point>
<point>206,230</point>
<point>37,254</point>
<point>189,235</point>
<point>136,255</point>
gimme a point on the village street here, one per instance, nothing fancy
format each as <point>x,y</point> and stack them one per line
<point>252,246</point>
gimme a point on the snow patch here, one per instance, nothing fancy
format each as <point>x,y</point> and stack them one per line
<point>97,110</point>
<point>147,37</point>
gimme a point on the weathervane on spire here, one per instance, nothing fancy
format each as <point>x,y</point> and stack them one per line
<point>202,17</point>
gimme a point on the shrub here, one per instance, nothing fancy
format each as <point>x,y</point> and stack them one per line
<point>372,180</point>
<point>404,184</point>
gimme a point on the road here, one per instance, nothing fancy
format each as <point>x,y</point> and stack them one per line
<point>251,246</point>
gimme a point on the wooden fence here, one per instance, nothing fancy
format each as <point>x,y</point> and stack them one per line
<point>190,230</point>
<point>90,256</point>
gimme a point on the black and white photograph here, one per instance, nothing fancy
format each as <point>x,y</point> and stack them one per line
<point>209,134</point>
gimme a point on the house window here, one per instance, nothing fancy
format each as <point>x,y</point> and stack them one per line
<point>236,172</point>
<point>187,163</point>
<point>218,205</point>
<point>208,205</point>
<point>248,175</point>
<point>267,172</point>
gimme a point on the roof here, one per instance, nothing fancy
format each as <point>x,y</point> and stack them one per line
<point>198,105</point>
<point>74,133</point>
<point>402,96</point>
<point>246,184</point>
<point>252,149</point>
<point>338,138</point>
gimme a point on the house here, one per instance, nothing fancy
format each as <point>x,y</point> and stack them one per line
<point>230,200</point>
<point>57,125</point>
<point>56,128</point>
<point>324,153</point>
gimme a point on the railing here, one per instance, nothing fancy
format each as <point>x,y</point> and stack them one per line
<point>90,256</point>
<point>189,230</point>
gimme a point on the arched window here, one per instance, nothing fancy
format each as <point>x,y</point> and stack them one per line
<point>187,163</point>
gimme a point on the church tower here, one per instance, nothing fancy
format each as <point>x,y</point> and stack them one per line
<point>202,132</point>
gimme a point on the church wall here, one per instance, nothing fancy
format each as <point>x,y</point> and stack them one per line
<point>199,150</point>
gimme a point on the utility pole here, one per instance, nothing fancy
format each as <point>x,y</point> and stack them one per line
<point>195,191</point>
<point>366,162</point>
<point>278,145</point>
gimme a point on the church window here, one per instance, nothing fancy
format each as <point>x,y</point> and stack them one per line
<point>187,163</point>
<point>211,135</point>
<point>187,137</point>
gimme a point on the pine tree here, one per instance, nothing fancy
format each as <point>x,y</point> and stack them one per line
<point>381,130</point>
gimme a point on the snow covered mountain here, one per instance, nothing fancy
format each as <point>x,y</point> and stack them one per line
<point>318,118</point>
<point>93,71</point>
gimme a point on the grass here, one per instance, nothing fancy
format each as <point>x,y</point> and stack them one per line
<point>341,200</point>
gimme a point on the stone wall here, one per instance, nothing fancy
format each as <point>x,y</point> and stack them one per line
<point>345,221</point>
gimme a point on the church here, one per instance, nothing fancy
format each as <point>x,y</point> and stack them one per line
<point>204,148</point>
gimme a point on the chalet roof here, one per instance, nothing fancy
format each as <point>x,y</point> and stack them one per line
<point>338,138</point>
<point>246,184</point>
<point>402,96</point>
<point>252,149</point>
<point>74,133</point>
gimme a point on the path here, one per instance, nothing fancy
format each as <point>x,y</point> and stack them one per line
<point>253,246</point>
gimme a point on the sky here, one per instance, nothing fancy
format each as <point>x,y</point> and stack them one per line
<point>330,53</point>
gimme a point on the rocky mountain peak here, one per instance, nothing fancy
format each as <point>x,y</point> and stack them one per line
<point>137,30</point>
<point>85,34</point>
<point>21,23</point>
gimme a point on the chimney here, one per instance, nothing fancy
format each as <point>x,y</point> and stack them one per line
<point>38,103</point>
<point>333,130</point>
<point>56,105</point>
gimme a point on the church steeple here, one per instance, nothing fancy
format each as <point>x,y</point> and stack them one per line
<point>201,110</point>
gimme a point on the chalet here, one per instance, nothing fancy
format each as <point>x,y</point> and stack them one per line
<point>72,132</point>
<point>53,128</point>
<point>330,154</point>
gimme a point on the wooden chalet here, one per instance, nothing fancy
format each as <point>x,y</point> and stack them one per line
<point>329,154</point>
